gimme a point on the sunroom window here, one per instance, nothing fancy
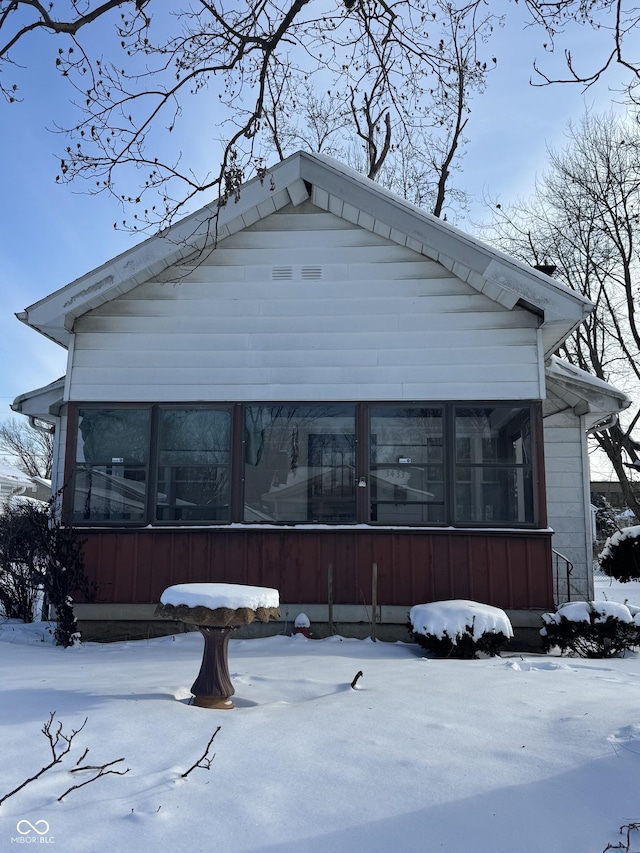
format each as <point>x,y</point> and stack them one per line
<point>193,465</point>
<point>300,463</point>
<point>112,452</point>
<point>493,466</point>
<point>407,465</point>
<point>414,464</point>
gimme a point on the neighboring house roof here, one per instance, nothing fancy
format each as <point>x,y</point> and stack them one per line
<point>13,481</point>
<point>10,474</point>
<point>346,193</point>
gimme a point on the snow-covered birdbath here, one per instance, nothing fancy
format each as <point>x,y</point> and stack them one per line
<point>217,610</point>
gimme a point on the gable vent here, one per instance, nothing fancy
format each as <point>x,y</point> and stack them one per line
<point>288,273</point>
<point>310,273</point>
<point>282,273</point>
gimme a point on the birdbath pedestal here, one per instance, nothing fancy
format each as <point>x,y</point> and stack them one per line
<point>217,610</point>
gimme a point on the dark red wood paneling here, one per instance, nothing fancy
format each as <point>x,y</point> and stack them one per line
<point>509,569</point>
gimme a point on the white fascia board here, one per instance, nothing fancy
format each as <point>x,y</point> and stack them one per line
<point>53,316</point>
<point>585,393</point>
<point>41,402</point>
<point>445,242</point>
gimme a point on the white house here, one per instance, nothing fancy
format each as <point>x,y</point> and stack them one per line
<point>313,379</point>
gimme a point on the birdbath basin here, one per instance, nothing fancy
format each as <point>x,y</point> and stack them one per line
<point>217,610</point>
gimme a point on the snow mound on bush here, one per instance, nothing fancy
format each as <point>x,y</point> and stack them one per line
<point>596,611</point>
<point>618,537</point>
<point>458,617</point>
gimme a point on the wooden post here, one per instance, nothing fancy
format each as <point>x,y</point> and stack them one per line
<point>330,596</point>
<point>374,599</point>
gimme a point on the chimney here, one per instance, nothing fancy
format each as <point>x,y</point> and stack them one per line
<point>547,269</point>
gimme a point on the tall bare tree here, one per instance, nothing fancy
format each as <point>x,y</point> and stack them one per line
<point>32,449</point>
<point>138,66</point>
<point>615,21</point>
<point>584,218</point>
<point>397,67</point>
<point>394,122</point>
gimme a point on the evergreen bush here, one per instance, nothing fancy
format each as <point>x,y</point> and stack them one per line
<point>620,557</point>
<point>460,629</point>
<point>461,646</point>
<point>592,629</point>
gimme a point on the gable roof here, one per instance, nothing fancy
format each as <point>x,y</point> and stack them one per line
<point>334,187</point>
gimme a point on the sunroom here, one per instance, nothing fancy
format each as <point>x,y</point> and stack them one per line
<point>419,464</point>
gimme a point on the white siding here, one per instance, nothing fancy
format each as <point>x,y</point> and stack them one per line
<point>304,305</point>
<point>567,478</point>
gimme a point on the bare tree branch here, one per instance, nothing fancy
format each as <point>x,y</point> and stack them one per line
<point>204,761</point>
<point>102,771</point>
<point>59,745</point>
<point>616,20</point>
<point>402,63</point>
<point>32,449</point>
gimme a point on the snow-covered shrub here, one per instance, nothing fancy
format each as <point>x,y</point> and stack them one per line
<point>620,557</point>
<point>592,629</point>
<point>460,629</point>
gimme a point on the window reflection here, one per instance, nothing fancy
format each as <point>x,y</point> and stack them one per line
<point>493,481</point>
<point>300,463</point>
<point>431,464</point>
<point>193,465</point>
<point>111,464</point>
<point>407,465</point>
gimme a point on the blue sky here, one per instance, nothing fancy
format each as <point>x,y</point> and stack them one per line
<point>52,234</point>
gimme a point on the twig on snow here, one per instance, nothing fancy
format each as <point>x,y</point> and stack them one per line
<point>204,761</point>
<point>355,680</point>
<point>627,829</point>
<point>60,745</point>
<point>102,771</point>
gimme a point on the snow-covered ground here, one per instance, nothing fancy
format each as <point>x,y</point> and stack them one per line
<point>608,589</point>
<point>519,754</point>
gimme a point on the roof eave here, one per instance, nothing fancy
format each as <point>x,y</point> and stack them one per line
<point>585,394</point>
<point>346,193</point>
<point>41,403</point>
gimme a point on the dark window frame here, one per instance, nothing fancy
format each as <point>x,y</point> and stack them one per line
<point>152,465</point>
<point>363,409</point>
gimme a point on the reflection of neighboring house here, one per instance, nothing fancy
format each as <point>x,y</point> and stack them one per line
<point>103,489</point>
<point>15,483</point>
<point>105,493</point>
<point>342,380</point>
<point>309,494</point>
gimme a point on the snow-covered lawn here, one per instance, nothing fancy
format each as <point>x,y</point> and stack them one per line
<point>519,754</point>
